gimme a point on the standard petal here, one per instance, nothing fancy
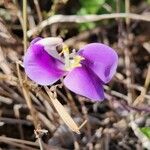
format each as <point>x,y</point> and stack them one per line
<point>84,82</point>
<point>41,67</point>
<point>50,44</point>
<point>102,59</point>
<point>35,40</point>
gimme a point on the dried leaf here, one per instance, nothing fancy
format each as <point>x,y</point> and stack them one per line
<point>63,113</point>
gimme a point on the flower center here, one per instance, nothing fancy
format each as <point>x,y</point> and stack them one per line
<point>71,60</point>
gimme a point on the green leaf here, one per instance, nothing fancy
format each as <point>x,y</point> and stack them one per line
<point>90,6</point>
<point>146,131</point>
<point>86,26</point>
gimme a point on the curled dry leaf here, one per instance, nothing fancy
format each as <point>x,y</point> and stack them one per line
<point>62,112</point>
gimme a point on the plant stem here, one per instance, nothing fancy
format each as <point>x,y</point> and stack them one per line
<point>25,24</point>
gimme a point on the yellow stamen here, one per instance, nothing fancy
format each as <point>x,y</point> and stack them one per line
<point>76,62</point>
<point>65,51</point>
<point>71,63</point>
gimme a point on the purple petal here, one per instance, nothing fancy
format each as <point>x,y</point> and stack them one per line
<point>35,40</point>
<point>50,44</point>
<point>41,67</point>
<point>102,59</point>
<point>84,82</point>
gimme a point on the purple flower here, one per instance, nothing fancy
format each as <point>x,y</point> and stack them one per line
<point>85,71</point>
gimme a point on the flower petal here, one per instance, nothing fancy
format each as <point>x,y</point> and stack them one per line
<point>84,82</point>
<point>102,59</point>
<point>35,40</point>
<point>41,67</point>
<point>50,45</point>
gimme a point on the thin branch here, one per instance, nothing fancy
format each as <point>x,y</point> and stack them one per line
<point>19,13</point>
<point>38,10</point>
<point>145,141</point>
<point>141,97</point>
<point>83,19</point>
<point>127,10</point>
<point>2,138</point>
<point>26,95</point>
<point>15,121</point>
<point>25,24</point>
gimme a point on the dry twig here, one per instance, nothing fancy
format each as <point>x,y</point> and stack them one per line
<point>83,19</point>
